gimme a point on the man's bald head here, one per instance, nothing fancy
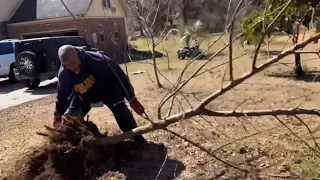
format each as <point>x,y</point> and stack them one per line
<point>65,52</point>
<point>69,58</point>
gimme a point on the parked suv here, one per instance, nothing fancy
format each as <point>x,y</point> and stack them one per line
<point>7,59</point>
<point>37,59</point>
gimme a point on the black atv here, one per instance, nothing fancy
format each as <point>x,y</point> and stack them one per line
<point>191,52</point>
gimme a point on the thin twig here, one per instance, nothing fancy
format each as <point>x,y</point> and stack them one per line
<point>164,162</point>
<point>309,130</point>
<point>266,32</point>
<point>230,40</point>
<point>64,4</point>
<point>243,138</point>
<point>293,133</point>
<point>204,150</point>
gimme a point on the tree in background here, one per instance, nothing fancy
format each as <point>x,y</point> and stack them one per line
<point>156,18</point>
<point>272,19</point>
<point>209,12</point>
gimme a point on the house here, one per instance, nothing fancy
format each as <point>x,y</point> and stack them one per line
<point>100,22</point>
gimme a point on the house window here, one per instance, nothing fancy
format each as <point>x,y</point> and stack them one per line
<point>115,31</point>
<point>106,3</point>
<point>102,34</point>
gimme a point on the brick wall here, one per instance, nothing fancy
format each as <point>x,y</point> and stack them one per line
<point>3,30</point>
<point>85,28</point>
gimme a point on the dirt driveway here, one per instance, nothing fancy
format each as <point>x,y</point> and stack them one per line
<point>15,94</point>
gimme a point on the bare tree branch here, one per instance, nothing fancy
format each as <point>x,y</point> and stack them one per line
<point>230,40</point>
<point>200,110</point>
<point>64,4</point>
<point>247,113</point>
<point>311,133</point>
<point>260,68</point>
<point>227,18</point>
<point>194,74</point>
<point>266,32</point>
<point>297,136</point>
<point>243,138</point>
<point>205,150</point>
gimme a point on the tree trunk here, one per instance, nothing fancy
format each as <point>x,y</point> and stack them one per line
<point>297,57</point>
<point>155,65</point>
<point>298,68</point>
<point>141,31</point>
<point>168,59</point>
<point>184,12</point>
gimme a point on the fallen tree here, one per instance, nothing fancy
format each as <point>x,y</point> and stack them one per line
<point>201,109</point>
<point>72,153</point>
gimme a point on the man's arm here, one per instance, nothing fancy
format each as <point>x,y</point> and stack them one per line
<point>78,106</point>
<point>67,100</point>
<point>105,67</point>
<point>65,88</point>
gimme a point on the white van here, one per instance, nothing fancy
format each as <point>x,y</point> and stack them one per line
<point>7,59</point>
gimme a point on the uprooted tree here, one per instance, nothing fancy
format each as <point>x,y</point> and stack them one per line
<point>269,21</point>
<point>201,109</point>
<point>167,118</point>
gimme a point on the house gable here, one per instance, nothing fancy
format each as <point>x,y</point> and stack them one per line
<point>32,10</point>
<point>7,8</point>
<point>97,10</point>
<point>27,11</point>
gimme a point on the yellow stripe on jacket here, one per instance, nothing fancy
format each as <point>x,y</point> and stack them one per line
<point>84,87</point>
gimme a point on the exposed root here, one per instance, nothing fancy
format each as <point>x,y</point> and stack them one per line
<point>72,153</point>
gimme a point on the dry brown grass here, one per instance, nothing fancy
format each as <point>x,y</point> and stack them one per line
<point>261,144</point>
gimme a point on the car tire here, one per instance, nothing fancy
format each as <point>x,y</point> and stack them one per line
<point>31,83</point>
<point>181,56</point>
<point>28,64</point>
<point>12,78</point>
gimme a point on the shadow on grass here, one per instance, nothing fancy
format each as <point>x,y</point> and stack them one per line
<point>74,152</point>
<point>310,76</point>
<point>257,166</point>
<point>272,53</point>
<point>207,56</point>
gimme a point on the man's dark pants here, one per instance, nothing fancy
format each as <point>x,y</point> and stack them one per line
<point>116,100</point>
<point>122,115</point>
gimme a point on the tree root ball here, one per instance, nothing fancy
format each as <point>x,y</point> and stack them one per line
<point>73,153</point>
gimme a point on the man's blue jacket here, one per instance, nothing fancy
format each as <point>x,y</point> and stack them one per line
<point>100,79</point>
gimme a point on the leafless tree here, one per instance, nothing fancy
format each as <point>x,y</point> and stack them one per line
<point>202,109</point>
<point>155,17</point>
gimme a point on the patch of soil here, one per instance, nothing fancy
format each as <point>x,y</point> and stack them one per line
<point>72,153</point>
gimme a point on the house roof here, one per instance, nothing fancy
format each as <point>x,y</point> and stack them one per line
<point>123,7</point>
<point>31,10</point>
<point>48,9</point>
<point>7,8</point>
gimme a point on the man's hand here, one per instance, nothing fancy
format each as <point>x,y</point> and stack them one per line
<point>137,106</point>
<point>57,120</point>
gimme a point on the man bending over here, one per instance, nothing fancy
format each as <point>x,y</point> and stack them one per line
<point>89,77</point>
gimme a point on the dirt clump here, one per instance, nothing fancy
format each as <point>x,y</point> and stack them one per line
<point>72,153</point>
